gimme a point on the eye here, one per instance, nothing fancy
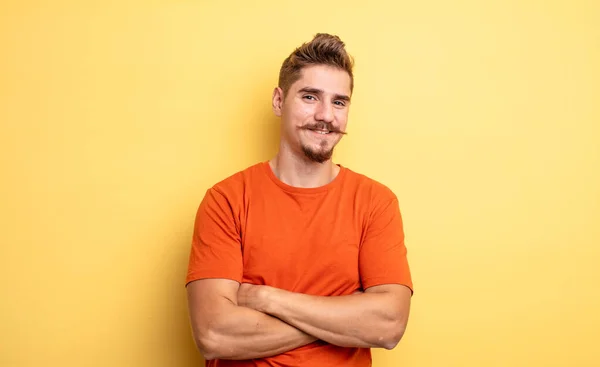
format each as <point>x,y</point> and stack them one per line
<point>340,103</point>
<point>308,96</point>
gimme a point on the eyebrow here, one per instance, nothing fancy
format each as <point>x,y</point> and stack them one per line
<point>342,97</point>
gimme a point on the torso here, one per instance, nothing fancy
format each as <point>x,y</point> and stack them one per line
<point>306,241</point>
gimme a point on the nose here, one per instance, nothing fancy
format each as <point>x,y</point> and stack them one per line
<point>324,112</point>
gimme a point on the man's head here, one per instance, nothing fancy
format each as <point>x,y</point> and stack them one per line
<point>313,97</point>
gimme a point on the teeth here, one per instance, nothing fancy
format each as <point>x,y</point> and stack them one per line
<point>321,131</point>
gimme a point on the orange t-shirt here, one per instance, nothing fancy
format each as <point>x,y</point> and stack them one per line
<point>326,241</point>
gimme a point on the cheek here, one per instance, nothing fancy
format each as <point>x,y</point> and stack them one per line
<point>298,115</point>
<point>341,118</point>
<point>305,112</point>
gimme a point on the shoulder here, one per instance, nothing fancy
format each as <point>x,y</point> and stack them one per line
<point>377,191</point>
<point>233,186</point>
<point>377,200</point>
<point>228,195</point>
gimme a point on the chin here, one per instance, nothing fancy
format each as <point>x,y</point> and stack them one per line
<point>317,155</point>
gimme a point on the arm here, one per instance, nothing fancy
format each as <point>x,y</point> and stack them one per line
<point>221,328</point>
<point>375,319</point>
<point>224,330</point>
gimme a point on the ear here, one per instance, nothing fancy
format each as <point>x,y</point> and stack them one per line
<point>277,101</point>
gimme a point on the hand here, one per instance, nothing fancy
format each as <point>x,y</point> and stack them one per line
<point>253,296</point>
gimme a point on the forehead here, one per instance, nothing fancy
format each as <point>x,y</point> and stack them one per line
<point>326,78</point>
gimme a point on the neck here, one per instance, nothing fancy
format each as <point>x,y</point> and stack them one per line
<point>301,172</point>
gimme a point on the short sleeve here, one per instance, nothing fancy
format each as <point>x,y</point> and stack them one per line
<point>383,255</point>
<point>216,245</point>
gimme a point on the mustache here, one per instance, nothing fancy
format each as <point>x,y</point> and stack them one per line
<point>323,126</point>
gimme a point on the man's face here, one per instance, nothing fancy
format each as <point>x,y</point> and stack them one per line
<point>314,112</point>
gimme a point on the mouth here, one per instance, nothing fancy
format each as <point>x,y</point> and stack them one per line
<point>322,131</point>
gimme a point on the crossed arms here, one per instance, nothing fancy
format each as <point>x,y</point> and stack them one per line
<point>233,321</point>
<point>243,321</point>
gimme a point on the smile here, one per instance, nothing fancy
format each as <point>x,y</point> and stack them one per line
<point>321,132</point>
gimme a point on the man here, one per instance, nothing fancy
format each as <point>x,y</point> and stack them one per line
<point>298,261</point>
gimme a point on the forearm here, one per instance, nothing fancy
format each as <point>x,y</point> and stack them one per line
<point>243,333</point>
<point>368,320</point>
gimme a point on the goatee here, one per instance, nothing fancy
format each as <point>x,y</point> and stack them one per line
<point>317,156</point>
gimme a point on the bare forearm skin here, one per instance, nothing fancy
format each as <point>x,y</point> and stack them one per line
<point>243,333</point>
<point>367,320</point>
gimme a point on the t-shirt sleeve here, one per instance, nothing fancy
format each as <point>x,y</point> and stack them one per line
<point>216,245</point>
<point>383,254</point>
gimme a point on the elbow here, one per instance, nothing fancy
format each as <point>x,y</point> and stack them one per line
<point>392,341</point>
<point>208,345</point>
<point>392,336</point>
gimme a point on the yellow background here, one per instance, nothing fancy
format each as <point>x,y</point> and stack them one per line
<point>483,117</point>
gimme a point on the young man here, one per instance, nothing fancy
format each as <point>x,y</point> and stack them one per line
<point>298,261</point>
